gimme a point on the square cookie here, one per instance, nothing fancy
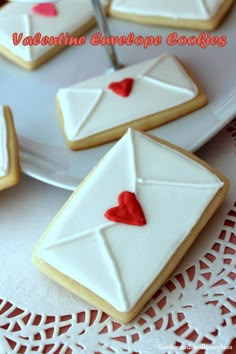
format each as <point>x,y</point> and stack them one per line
<point>194,14</point>
<point>9,158</point>
<point>143,96</point>
<point>117,256</point>
<point>63,19</point>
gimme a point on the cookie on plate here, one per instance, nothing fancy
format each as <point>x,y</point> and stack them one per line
<point>26,27</point>
<point>115,255</point>
<point>143,96</point>
<point>194,14</point>
<point>9,158</point>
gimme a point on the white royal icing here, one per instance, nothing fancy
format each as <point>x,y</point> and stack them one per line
<point>3,145</point>
<point>116,261</point>
<point>90,107</point>
<point>182,9</point>
<point>18,17</point>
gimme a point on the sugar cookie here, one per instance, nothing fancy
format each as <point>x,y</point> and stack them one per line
<point>194,14</point>
<point>142,96</point>
<point>115,255</point>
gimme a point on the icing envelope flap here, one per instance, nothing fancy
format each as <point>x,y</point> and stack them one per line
<point>22,23</point>
<point>81,105</point>
<point>128,258</point>
<point>135,71</point>
<point>167,70</point>
<point>20,8</point>
<point>177,171</point>
<point>184,9</point>
<point>86,263</point>
<point>83,217</point>
<point>158,85</point>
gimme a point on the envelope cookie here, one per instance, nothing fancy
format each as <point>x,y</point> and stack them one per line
<point>127,226</point>
<point>31,33</point>
<point>142,96</point>
<point>9,159</point>
<point>194,14</point>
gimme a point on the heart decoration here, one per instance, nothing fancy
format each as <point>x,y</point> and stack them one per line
<point>122,88</point>
<point>45,9</point>
<point>129,211</point>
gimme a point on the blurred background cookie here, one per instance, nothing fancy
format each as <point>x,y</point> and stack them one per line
<point>26,29</point>
<point>9,157</point>
<point>194,14</point>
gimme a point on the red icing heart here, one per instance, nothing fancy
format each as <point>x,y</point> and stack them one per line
<point>45,9</point>
<point>122,88</point>
<point>128,212</point>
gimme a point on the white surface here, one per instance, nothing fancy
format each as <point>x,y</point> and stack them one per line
<point>44,154</point>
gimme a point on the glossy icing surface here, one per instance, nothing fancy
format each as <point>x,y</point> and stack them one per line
<point>18,17</point>
<point>3,145</point>
<point>182,9</point>
<point>91,107</point>
<point>117,261</point>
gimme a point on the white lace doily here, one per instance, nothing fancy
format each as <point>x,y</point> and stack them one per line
<point>194,312</point>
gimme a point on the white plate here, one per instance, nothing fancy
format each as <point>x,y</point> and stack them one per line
<point>31,95</point>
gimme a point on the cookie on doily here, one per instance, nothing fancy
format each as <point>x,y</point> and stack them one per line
<point>9,157</point>
<point>116,254</point>
<point>194,14</point>
<point>26,27</point>
<point>142,96</point>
